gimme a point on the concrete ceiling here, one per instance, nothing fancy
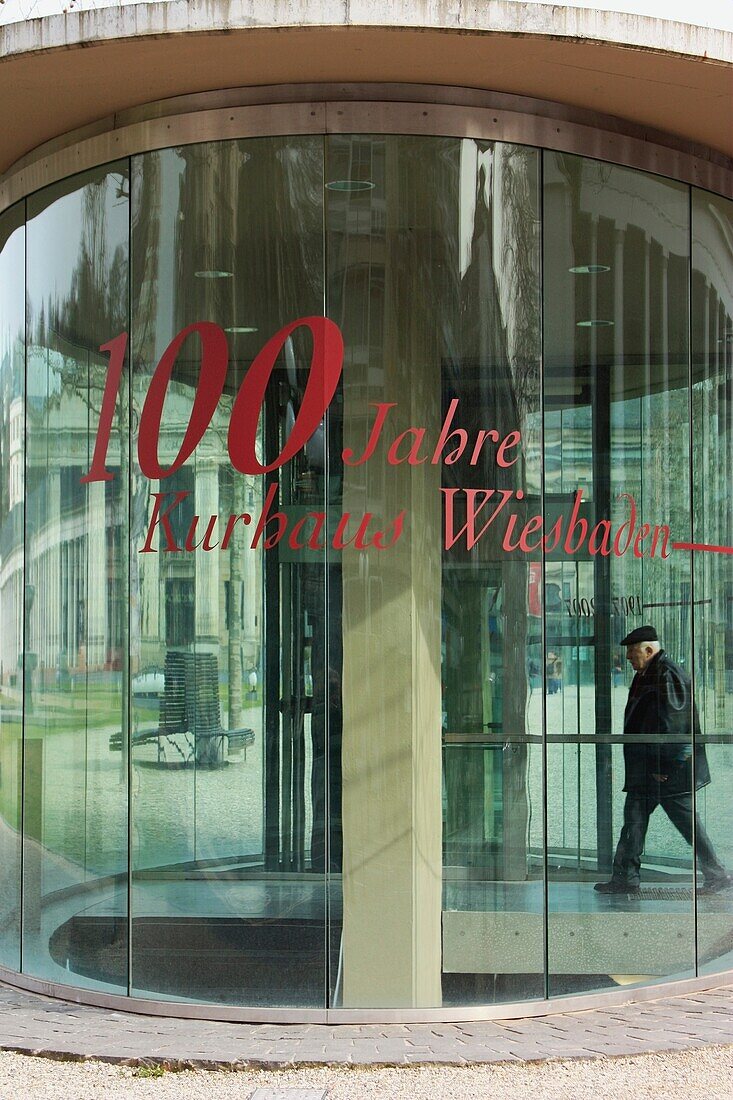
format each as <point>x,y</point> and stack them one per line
<point>64,72</point>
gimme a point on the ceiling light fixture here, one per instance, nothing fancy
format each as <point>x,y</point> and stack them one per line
<point>214,274</point>
<point>350,185</point>
<point>241,328</point>
<point>589,269</point>
<point>594,324</point>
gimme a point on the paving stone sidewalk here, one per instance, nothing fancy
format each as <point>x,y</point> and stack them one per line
<point>33,1024</point>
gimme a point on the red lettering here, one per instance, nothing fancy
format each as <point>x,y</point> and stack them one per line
<point>641,534</point>
<point>359,541</point>
<point>117,349</point>
<point>323,377</point>
<point>573,526</point>
<point>446,434</point>
<point>481,438</point>
<point>348,455</point>
<point>604,549</point>
<point>630,523</point>
<point>266,517</point>
<point>472,510</point>
<point>512,440</point>
<point>554,533</point>
<point>662,529</point>
<point>205,543</point>
<point>398,524</point>
<point>413,455</point>
<point>313,543</point>
<point>158,518</point>
<point>212,375</point>
<point>299,527</point>
<point>231,524</point>
<point>531,526</point>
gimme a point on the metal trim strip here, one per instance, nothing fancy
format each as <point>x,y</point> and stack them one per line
<point>427,117</point>
<point>577,1002</point>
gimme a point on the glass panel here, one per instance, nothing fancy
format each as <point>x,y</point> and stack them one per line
<point>75,788</point>
<point>12,461</point>
<point>617,448</point>
<point>434,278</point>
<point>367,743</point>
<point>228,753</point>
<point>712,411</point>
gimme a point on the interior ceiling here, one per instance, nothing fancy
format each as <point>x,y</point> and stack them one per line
<point>50,92</point>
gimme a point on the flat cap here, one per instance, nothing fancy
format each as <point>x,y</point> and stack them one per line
<point>641,634</point>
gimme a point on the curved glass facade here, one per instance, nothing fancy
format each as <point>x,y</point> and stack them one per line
<point>342,724</point>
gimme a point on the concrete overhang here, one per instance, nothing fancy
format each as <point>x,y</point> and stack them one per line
<point>62,73</point>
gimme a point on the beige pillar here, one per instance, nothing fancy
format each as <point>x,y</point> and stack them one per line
<point>392,827</point>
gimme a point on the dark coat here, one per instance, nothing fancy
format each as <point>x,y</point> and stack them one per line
<point>660,702</point>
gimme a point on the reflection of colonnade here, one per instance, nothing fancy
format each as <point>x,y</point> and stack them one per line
<point>182,233</point>
<point>638,244</point>
<point>11,532</point>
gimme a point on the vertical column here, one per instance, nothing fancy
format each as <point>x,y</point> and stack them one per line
<point>601,420</point>
<point>32,835</point>
<point>147,592</point>
<point>207,562</point>
<point>209,745</point>
<point>647,313</point>
<point>54,573</point>
<point>96,576</point>
<point>392,863</point>
<point>392,827</point>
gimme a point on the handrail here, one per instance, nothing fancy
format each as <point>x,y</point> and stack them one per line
<point>492,737</point>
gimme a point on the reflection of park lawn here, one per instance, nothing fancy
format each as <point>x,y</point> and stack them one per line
<point>9,737</point>
<point>248,700</point>
<point>92,706</point>
<point>45,721</point>
<point>99,707</point>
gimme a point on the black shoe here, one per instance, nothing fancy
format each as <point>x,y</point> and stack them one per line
<point>616,887</point>
<point>715,885</point>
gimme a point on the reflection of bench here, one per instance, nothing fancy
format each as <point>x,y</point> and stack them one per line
<point>189,724</point>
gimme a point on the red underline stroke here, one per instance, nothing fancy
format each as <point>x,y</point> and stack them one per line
<point>702,546</point>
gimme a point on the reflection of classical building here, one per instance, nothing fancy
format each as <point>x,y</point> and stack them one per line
<point>432,776</point>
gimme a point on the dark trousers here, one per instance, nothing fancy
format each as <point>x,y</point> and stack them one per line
<point>638,809</point>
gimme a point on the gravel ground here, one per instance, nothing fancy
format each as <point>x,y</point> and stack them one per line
<point>706,1074</point>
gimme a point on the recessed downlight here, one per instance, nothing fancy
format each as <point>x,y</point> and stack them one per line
<point>241,328</point>
<point>350,185</point>
<point>594,323</point>
<point>589,269</point>
<point>214,274</point>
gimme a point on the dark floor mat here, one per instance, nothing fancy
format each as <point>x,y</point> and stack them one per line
<point>666,893</point>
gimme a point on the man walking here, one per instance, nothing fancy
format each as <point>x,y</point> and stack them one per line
<point>660,772</point>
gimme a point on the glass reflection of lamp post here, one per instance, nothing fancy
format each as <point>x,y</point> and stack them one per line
<point>29,659</point>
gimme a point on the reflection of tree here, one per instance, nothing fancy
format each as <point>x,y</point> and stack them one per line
<point>78,303</point>
<point>247,210</point>
<point>12,383</point>
<point>94,308</point>
<point>494,371</point>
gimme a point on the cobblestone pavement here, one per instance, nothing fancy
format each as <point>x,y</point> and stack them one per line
<point>33,1024</point>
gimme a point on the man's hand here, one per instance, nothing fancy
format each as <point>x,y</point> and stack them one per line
<point>659,778</point>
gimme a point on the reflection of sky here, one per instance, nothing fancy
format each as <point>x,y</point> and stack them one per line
<point>53,243</point>
<point>12,319</point>
<point>45,368</point>
<point>72,232</point>
<point>706,13</point>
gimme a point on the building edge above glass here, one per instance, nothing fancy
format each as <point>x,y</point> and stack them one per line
<point>663,73</point>
<point>370,108</point>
